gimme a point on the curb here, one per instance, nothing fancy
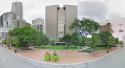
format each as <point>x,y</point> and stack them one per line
<point>47,63</point>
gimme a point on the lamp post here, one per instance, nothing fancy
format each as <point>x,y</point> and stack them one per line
<point>109,25</point>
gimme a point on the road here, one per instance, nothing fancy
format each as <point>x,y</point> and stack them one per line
<point>9,60</point>
<point>116,60</point>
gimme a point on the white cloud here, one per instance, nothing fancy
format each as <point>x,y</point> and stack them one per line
<point>36,8</point>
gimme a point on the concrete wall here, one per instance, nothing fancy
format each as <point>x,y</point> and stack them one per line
<point>51,21</point>
<point>59,19</point>
<point>71,14</point>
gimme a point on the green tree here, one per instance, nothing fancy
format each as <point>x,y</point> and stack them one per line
<point>95,41</point>
<point>111,41</point>
<point>107,40</point>
<point>28,36</point>
<point>85,24</point>
<point>66,38</point>
<point>104,37</point>
<point>72,39</point>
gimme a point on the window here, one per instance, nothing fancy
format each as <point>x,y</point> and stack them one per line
<point>120,24</point>
<point>121,30</point>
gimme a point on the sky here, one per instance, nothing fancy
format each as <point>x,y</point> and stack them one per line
<point>97,9</point>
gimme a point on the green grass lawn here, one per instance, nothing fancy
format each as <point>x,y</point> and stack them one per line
<point>71,47</point>
<point>59,47</point>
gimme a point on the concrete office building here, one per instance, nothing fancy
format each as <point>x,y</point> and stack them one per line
<point>13,19</point>
<point>8,20</point>
<point>39,24</point>
<point>58,20</point>
<point>17,8</point>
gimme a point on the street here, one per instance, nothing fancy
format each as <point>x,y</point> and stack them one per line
<point>8,60</point>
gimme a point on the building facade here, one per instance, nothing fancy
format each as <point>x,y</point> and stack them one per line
<point>8,20</point>
<point>17,7</point>
<point>39,24</point>
<point>58,20</point>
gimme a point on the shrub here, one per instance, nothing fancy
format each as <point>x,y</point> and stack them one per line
<point>121,43</point>
<point>55,57</point>
<point>47,57</point>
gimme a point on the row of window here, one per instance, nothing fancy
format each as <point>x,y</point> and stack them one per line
<point>4,34</point>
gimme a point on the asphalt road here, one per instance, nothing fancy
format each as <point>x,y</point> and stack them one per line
<point>9,60</point>
<point>116,60</point>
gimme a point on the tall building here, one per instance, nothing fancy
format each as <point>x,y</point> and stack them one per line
<point>58,20</point>
<point>39,24</point>
<point>8,20</point>
<point>17,8</point>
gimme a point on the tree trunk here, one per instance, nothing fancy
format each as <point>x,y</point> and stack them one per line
<point>15,51</point>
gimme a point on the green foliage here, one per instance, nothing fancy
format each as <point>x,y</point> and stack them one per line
<point>47,57</point>
<point>94,41</point>
<point>86,24</point>
<point>61,47</point>
<point>111,40</point>
<point>4,41</point>
<point>104,36</point>
<point>27,36</point>
<point>121,43</point>
<point>66,38</point>
<point>72,39</point>
<point>99,39</point>
<point>55,57</point>
<point>116,40</point>
<point>14,41</point>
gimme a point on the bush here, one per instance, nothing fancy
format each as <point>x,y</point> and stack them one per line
<point>121,43</point>
<point>55,57</point>
<point>47,57</point>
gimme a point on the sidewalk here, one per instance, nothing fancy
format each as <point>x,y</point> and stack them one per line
<point>66,56</point>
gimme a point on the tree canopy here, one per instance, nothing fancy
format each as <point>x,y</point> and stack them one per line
<point>85,24</point>
<point>27,36</point>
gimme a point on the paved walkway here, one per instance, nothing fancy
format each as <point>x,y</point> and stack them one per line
<point>66,56</point>
<point>9,60</point>
<point>116,60</point>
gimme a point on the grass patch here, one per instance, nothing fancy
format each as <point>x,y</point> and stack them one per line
<point>59,47</point>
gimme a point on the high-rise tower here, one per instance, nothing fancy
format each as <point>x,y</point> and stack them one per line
<point>59,19</point>
<point>17,8</point>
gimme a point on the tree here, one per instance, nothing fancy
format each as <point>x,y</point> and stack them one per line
<point>116,40</point>
<point>88,25</point>
<point>66,38</point>
<point>107,39</point>
<point>85,24</point>
<point>104,37</point>
<point>111,41</point>
<point>95,40</point>
<point>72,39</point>
<point>26,36</point>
